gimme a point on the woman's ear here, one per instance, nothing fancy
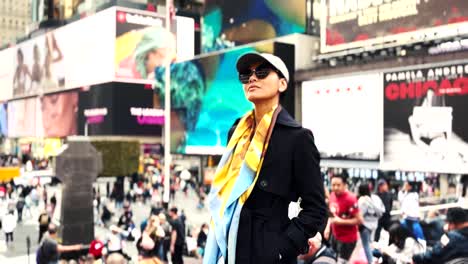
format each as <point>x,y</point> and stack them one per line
<point>283,85</point>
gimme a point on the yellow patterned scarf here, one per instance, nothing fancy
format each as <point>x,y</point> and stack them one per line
<point>234,181</point>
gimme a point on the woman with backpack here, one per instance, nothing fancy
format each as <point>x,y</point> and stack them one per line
<point>372,209</point>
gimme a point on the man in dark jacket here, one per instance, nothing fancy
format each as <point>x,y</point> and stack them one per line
<point>288,169</point>
<point>387,199</point>
<point>452,246</point>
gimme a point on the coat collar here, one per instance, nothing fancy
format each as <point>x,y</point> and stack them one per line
<point>285,119</point>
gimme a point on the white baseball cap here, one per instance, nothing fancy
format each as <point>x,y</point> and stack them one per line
<point>248,59</point>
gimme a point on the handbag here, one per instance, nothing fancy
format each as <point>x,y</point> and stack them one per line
<point>147,243</point>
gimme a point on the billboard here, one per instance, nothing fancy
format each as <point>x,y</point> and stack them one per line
<point>143,43</point>
<point>22,117</point>
<point>425,126</point>
<point>7,71</point>
<point>347,24</point>
<point>65,58</point>
<point>57,115</point>
<point>343,114</point>
<point>207,97</point>
<point>114,44</point>
<point>231,23</point>
<point>119,109</point>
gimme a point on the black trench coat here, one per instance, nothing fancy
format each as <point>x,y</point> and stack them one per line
<point>290,170</point>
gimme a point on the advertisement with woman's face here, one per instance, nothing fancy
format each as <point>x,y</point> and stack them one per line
<point>141,47</point>
<point>59,114</point>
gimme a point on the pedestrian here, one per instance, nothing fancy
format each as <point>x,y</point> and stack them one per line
<point>371,208</point>
<point>114,240</point>
<point>387,199</point>
<point>53,203</point>
<point>49,250</point>
<point>269,162</point>
<point>453,246</point>
<point>318,253</point>
<point>166,244</point>
<point>177,237</point>
<point>201,239</point>
<point>409,205</point>
<point>44,196</point>
<point>9,225</point>
<point>403,245</point>
<point>149,243</point>
<point>116,258</point>
<point>44,221</point>
<point>19,208</point>
<point>434,227</point>
<point>345,218</point>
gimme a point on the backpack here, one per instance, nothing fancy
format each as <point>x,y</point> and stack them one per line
<point>44,220</point>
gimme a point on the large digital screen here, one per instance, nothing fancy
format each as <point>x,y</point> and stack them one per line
<point>115,44</point>
<point>207,97</point>
<point>230,23</point>
<point>143,43</point>
<point>344,115</point>
<point>7,71</point>
<point>22,117</point>
<point>119,109</point>
<point>65,58</point>
<point>425,127</point>
<point>57,115</point>
<point>347,24</point>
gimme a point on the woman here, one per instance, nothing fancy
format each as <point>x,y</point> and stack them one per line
<point>22,71</point>
<point>9,225</point>
<point>150,241</point>
<point>372,209</point>
<point>409,205</point>
<point>270,160</point>
<point>403,245</point>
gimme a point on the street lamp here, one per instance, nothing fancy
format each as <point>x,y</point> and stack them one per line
<point>167,116</point>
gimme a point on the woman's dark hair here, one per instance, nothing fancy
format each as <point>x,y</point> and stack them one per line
<point>363,190</point>
<point>398,235</point>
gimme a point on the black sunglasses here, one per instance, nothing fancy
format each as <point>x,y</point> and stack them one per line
<point>262,71</point>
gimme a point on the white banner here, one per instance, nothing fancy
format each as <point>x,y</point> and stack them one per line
<point>344,114</point>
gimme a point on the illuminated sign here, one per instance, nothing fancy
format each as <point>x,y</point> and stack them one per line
<point>95,115</point>
<point>148,116</point>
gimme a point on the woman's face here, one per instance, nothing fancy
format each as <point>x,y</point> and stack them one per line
<point>59,114</point>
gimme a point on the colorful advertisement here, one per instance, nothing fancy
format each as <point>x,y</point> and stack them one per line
<point>114,44</point>
<point>230,23</point>
<point>343,114</point>
<point>61,58</point>
<point>207,97</point>
<point>347,24</point>
<point>425,112</point>
<point>57,115</point>
<point>143,43</point>
<point>119,109</point>
<point>22,117</point>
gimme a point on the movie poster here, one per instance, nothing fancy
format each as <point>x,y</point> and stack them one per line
<point>425,124</point>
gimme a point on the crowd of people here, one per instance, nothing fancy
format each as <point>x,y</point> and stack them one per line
<point>361,228</point>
